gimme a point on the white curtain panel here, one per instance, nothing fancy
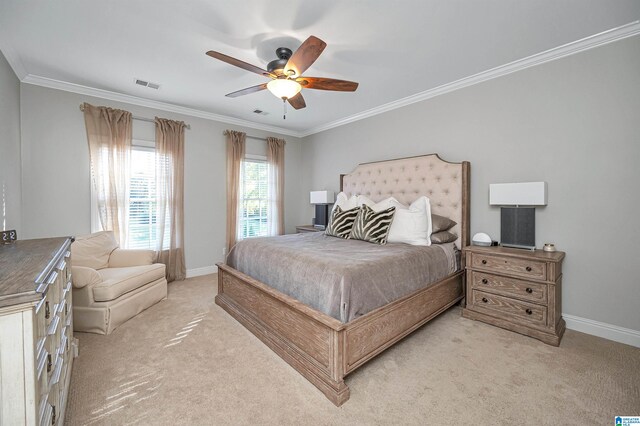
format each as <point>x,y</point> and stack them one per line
<point>275,161</point>
<point>109,138</point>
<point>235,155</point>
<point>170,196</point>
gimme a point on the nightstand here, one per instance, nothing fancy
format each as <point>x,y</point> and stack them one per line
<point>516,289</point>
<point>300,229</point>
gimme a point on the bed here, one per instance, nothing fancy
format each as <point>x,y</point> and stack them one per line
<point>342,278</point>
<point>324,344</point>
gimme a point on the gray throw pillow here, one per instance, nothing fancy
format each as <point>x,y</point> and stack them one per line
<point>443,237</point>
<point>441,223</point>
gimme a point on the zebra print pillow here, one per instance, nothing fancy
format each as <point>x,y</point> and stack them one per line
<point>341,222</point>
<point>372,226</point>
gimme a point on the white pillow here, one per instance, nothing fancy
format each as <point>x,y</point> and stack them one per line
<point>411,225</point>
<point>344,202</point>
<point>379,206</point>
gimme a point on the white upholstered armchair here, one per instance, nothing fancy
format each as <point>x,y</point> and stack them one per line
<point>112,285</point>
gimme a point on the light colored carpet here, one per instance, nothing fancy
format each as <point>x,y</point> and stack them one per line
<point>153,371</point>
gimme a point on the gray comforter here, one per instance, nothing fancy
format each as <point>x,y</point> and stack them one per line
<point>342,278</point>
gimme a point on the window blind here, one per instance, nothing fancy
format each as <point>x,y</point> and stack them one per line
<point>254,199</point>
<point>142,226</point>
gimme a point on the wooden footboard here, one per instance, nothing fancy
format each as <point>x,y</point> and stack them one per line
<point>320,347</point>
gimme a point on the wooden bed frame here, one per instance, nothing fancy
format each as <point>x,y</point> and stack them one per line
<point>323,349</point>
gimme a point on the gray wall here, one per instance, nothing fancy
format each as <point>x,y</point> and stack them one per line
<point>56,178</point>
<point>10,191</point>
<point>574,123</point>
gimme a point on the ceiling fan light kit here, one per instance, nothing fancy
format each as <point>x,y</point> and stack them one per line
<point>286,73</point>
<point>284,88</point>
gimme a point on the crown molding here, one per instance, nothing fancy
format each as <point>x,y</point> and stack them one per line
<point>14,60</point>
<point>163,106</point>
<point>553,54</point>
<point>559,52</point>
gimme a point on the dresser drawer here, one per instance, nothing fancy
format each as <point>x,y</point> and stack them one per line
<point>45,312</point>
<point>508,265</point>
<point>54,402</point>
<point>510,309</point>
<point>42,384</point>
<point>54,289</point>
<point>66,311</point>
<point>41,321</point>
<point>505,286</point>
<point>45,412</point>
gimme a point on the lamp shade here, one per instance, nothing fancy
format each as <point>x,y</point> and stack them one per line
<point>321,197</point>
<point>518,194</point>
<point>284,88</point>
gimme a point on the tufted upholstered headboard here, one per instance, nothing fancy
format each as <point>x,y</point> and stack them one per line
<point>446,184</point>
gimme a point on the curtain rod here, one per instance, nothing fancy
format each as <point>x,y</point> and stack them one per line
<point>249,137</point>
<point>149,120</point>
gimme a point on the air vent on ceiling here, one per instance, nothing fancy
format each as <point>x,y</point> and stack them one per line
<point>147,84</point>
<point>261,112</point>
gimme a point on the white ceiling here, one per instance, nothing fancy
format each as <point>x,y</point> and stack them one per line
<point>394,49</point>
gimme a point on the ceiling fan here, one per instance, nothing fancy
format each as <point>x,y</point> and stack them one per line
<point>286,73</point>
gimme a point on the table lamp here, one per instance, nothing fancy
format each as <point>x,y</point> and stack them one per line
<point>518,223</point>
<point>321,199</point>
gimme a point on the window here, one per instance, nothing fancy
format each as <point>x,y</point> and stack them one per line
<point>142,229</point>
<point>142,221</point>
<point>254,198</point>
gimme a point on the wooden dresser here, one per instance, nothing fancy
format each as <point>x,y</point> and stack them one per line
<point>36,331</point>
<point>516,289</point>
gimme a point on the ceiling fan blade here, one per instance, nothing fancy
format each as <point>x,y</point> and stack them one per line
<point>297,101</point>
<point>306,55</point>
<point>248,90</point>
<point>320,83</point>
<point>238,63</point>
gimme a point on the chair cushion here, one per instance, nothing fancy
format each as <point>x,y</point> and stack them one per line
<point>118,281</point>
<point>93,251</point>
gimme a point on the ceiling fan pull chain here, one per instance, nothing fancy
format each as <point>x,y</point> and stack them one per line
<point>284,108</point>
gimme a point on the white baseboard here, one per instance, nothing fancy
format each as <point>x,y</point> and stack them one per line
<point>196,272</point>
<point>604,330</point>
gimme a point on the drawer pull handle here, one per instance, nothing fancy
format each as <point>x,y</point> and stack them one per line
<point>529,311</point>
<point>528,268</point>
<point>484,299</point>
<point>485,281</point>
<point>47,311</point>
<point>49,363</point>
<point>529,290</point>
<point>484,261</point>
